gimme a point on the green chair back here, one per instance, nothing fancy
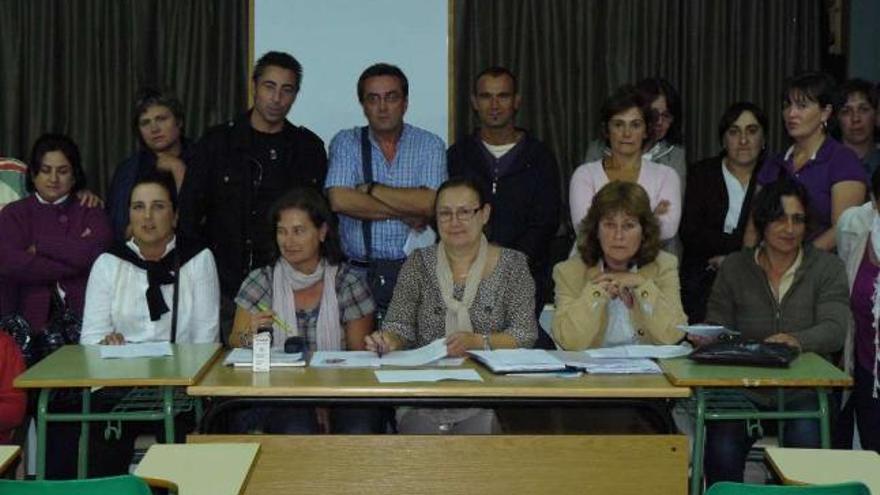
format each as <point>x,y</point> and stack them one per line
<point>729,488</point>
<point>115,485</point>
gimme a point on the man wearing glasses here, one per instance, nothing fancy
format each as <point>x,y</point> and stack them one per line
<point>382,179</point>
<point>240,168</point>
<point>518,172</point>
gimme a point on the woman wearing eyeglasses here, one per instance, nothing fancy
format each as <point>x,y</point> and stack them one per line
<point>473,294</point>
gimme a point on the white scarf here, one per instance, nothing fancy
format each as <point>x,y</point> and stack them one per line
<point>875,299</point>
<point>457,317</point>
<point>285,281</point>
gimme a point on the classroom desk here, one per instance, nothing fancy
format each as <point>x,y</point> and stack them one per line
<point>316,386</point>
<point>809,370</point>
<point>8,453</point>
<point>825,467</point>
<point>452,464</point>
<point>199,469</point>
<point>76,366</point>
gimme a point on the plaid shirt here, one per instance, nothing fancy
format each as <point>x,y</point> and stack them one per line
<point>420,161</point>
<point>352,294</point>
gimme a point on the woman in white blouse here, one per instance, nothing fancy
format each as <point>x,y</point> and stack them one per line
<point>131,294</point>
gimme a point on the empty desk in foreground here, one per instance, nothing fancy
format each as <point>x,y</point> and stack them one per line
<point>825,466</point>
<point>199,469</point>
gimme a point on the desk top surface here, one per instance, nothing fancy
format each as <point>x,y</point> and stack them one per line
<point>199,469</point>
<point>8,453</point>
<point>808,370</point>
<point>348,383</point>
<point>82,366</point>
<point>826,466</point>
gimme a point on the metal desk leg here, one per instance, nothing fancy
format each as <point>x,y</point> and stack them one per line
<point>780,423</point>
<point>42,410</point>
<point>824,426</point>
<point>168,407</point>
<point>82,466</point>
<point>699,438</point>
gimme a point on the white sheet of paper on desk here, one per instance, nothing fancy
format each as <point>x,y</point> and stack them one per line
<point>241,357</point>
<point>344,359</point>
<point>416,357</point>
<point>518,360</point>
<point>448,362</point>
<point>640,351</point>
<point>144,349</point>
<point>710,331</point>
<point>612,366</point>
<point>433,375</point>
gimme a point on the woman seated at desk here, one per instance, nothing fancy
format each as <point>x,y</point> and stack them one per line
<point>319,297</point>
<point>153,288</point>
<point>473,294</point>
<point>783,291</point>
<point>620,288</point>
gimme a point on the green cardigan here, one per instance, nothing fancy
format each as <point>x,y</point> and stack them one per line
<point>815,309</point>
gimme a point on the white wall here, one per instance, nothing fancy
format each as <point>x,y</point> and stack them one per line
<point>335,40</point>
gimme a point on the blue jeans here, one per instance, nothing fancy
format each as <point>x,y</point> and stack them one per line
<point>728,442</point>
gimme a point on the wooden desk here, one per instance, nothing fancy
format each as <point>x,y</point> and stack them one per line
<point>199,469</point>
<point>485,464</point>
<point>807,371</point>
<point>8,453</point>
<point>824,466</point>
<point>76,366</point>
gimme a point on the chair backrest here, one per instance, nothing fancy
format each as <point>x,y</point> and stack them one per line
<point>116,485</point>
<point>729,488</point>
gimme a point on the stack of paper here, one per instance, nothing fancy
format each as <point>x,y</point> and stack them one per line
<point>430,353</point>
<point>518,360</point>
<point>277,358</point>
<point>612,365</point>
<point>144,349</point>
<point>640,351</point>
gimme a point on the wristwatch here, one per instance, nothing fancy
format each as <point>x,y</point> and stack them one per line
<point>486,345</point>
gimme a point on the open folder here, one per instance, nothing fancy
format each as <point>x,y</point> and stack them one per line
<point>277,358</point>
<point>518,360</point>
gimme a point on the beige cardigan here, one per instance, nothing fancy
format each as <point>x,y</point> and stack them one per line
<point>580,318</point>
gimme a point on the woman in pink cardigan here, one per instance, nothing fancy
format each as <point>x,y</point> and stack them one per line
<point>49,240</point>
<point>626,123</point>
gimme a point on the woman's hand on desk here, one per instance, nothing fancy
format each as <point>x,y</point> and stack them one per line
<point>458,343</point>
<point>381,342</point>
<point>261,319</point>
<point>113,338</point>
<point>784,338</point>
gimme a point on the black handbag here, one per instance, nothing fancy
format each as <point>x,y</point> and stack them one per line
<point>746,353</point>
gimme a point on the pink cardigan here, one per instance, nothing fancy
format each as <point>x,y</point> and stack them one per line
<point>660,181</point>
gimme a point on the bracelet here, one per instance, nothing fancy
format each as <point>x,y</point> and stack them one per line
<point>486,344</point>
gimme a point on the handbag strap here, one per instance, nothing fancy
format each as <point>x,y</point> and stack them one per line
<point>367,165</point>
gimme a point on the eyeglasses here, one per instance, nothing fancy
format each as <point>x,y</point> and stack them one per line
<point>462,214</point>
<point>388,98</point>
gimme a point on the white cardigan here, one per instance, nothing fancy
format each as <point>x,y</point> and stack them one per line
<point>116,301</point>
<point>853,230</point>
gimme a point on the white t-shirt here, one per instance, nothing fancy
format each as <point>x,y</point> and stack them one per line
<point>736,196</point>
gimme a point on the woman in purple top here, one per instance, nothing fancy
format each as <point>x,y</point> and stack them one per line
<point>858,243</point>
<point>49,240</point>
<point>832,174</point>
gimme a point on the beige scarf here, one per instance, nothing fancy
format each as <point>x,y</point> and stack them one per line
<point>457,317</point>
<point>285,281</point>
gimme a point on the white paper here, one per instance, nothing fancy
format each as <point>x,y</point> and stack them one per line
<point>711,331</point>
<point>344,359</point>
<point>144,349</point>
<point>419,239</point>
<point>551,374</point>
<point>449,362</point>
<point>640,351</point>
<point>432,375</point>
<point>579,360</point>
<point>240,357</point>
<point>416,357</point>
<point>513,360</point>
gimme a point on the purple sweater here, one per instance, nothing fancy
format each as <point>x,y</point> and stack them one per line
<point>63,254</point>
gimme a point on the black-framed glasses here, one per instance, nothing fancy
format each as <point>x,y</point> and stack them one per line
<point>462,214</point>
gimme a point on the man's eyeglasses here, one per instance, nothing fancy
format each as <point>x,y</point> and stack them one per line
<point>388,98</point>
<point>462,214</point>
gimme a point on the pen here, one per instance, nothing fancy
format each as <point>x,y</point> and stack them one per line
<point>281,323</point>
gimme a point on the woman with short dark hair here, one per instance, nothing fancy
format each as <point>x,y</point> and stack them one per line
<point>621,288</point>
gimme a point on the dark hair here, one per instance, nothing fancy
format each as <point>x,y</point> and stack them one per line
<point>733,112</point>
<point>653,88</point>
<point>495,71</point>
<point>812,86</point>
<point>624,98</point>
<point>619,196</point>
<point>767,205</point>
<point>382,69</point>
<point>855,86</point>
<point>160,178</point>
<point>462,181</point>
<point>318,209</point>
<point>150,97</point>
<point>278,59</point>
<point>56,142</point>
